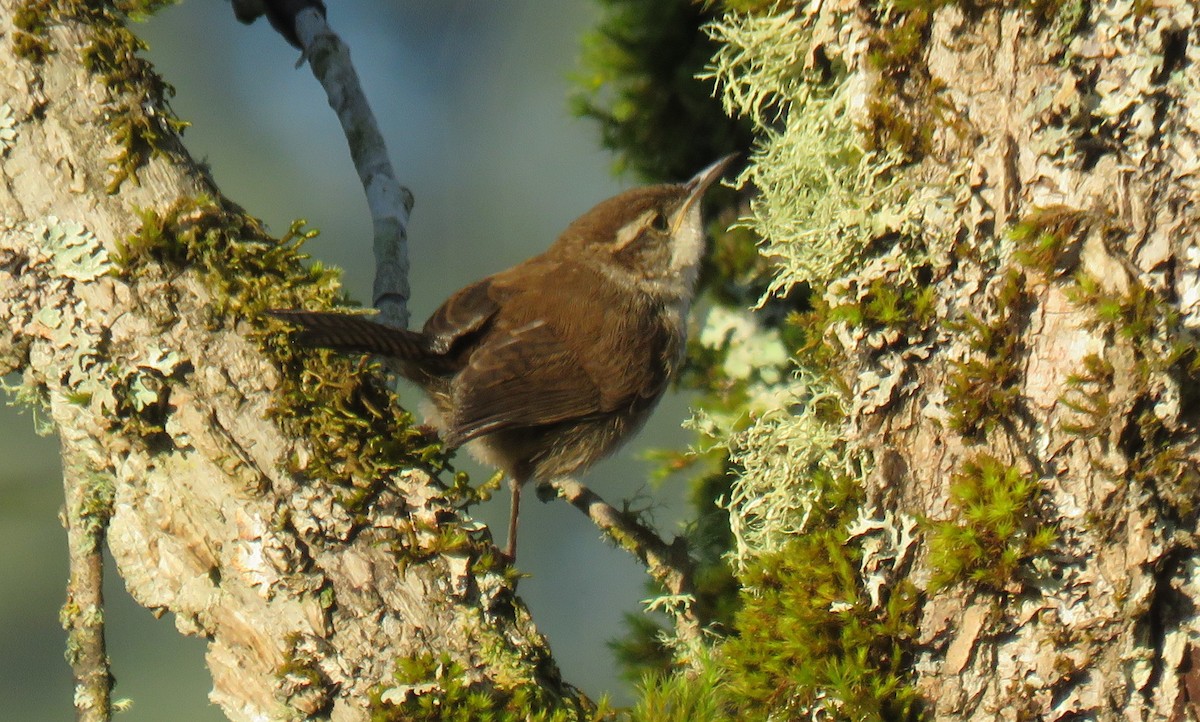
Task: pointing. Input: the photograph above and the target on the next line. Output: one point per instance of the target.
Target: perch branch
(668, 564)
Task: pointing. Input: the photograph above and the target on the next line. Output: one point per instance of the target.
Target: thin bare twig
(668, 564)
(390, 203)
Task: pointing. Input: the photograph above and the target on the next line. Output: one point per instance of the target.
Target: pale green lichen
(67, 252)
(73, 250)
(823, 197)
(753, 353)
(781, 455)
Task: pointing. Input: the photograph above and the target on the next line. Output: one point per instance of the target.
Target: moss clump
(807, 635)
(31, 40)
(996, 535)
(1049, 239)
(699, 696)
(1138, 315)
(983, 392)
(1153, 328)
(807, 640)
(141, 121)
(247, 270)
(1088, 396)
(906, 106)
(358, 434)
(1166, 463)
(908, 309)
(639, 82)
(438, 689)
(139, 10)
(1162, 454)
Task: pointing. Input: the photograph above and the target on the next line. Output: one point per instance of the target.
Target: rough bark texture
(1084, 136)
(996, 206)
(153, 376)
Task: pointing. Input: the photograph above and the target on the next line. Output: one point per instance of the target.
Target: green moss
(140, 10)
(96, 506)
(906, 106)
(141, 122)
(699, 696)
(1150, 325)
(1088, 395)
(808, 333)
(247, 270)
(358, 436)
(639, 82)
(31, 40)
(983, 391)
(995, 536)
(807, 636)
(807, 641)
(1169, 466)
(438, 689)
(1161, 456)
(1044, 238)
(1139, 315)
(908, 309)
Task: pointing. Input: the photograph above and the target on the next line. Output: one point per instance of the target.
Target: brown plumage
(548, 366)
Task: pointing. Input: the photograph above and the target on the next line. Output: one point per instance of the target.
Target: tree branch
(390, 203)
(279, 507)
(88, 505)
(668, 564)
(302, 23)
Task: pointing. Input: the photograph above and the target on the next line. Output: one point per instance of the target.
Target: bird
(545, 368)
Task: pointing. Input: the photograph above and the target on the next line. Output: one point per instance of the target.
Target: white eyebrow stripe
(630, 232)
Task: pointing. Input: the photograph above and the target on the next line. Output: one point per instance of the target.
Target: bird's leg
(510, 550)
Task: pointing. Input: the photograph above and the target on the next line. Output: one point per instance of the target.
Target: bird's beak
(697, 186)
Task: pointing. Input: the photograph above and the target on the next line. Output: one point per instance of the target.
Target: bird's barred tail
(345, 332)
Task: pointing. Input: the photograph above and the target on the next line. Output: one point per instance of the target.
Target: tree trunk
(1007, 294)
(281, 507)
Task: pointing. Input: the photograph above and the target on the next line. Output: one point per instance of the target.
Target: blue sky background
(472, 97)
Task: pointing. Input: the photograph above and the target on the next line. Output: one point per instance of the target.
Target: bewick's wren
(547, 367)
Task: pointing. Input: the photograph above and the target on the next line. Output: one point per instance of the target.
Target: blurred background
(472, 97)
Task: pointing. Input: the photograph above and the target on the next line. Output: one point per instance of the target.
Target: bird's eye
(659, 222)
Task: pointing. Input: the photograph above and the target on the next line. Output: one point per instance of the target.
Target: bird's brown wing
(560, 348)
(462, 315)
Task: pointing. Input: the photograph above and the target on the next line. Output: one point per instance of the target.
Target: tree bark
(311, 575)
(1016, 333)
